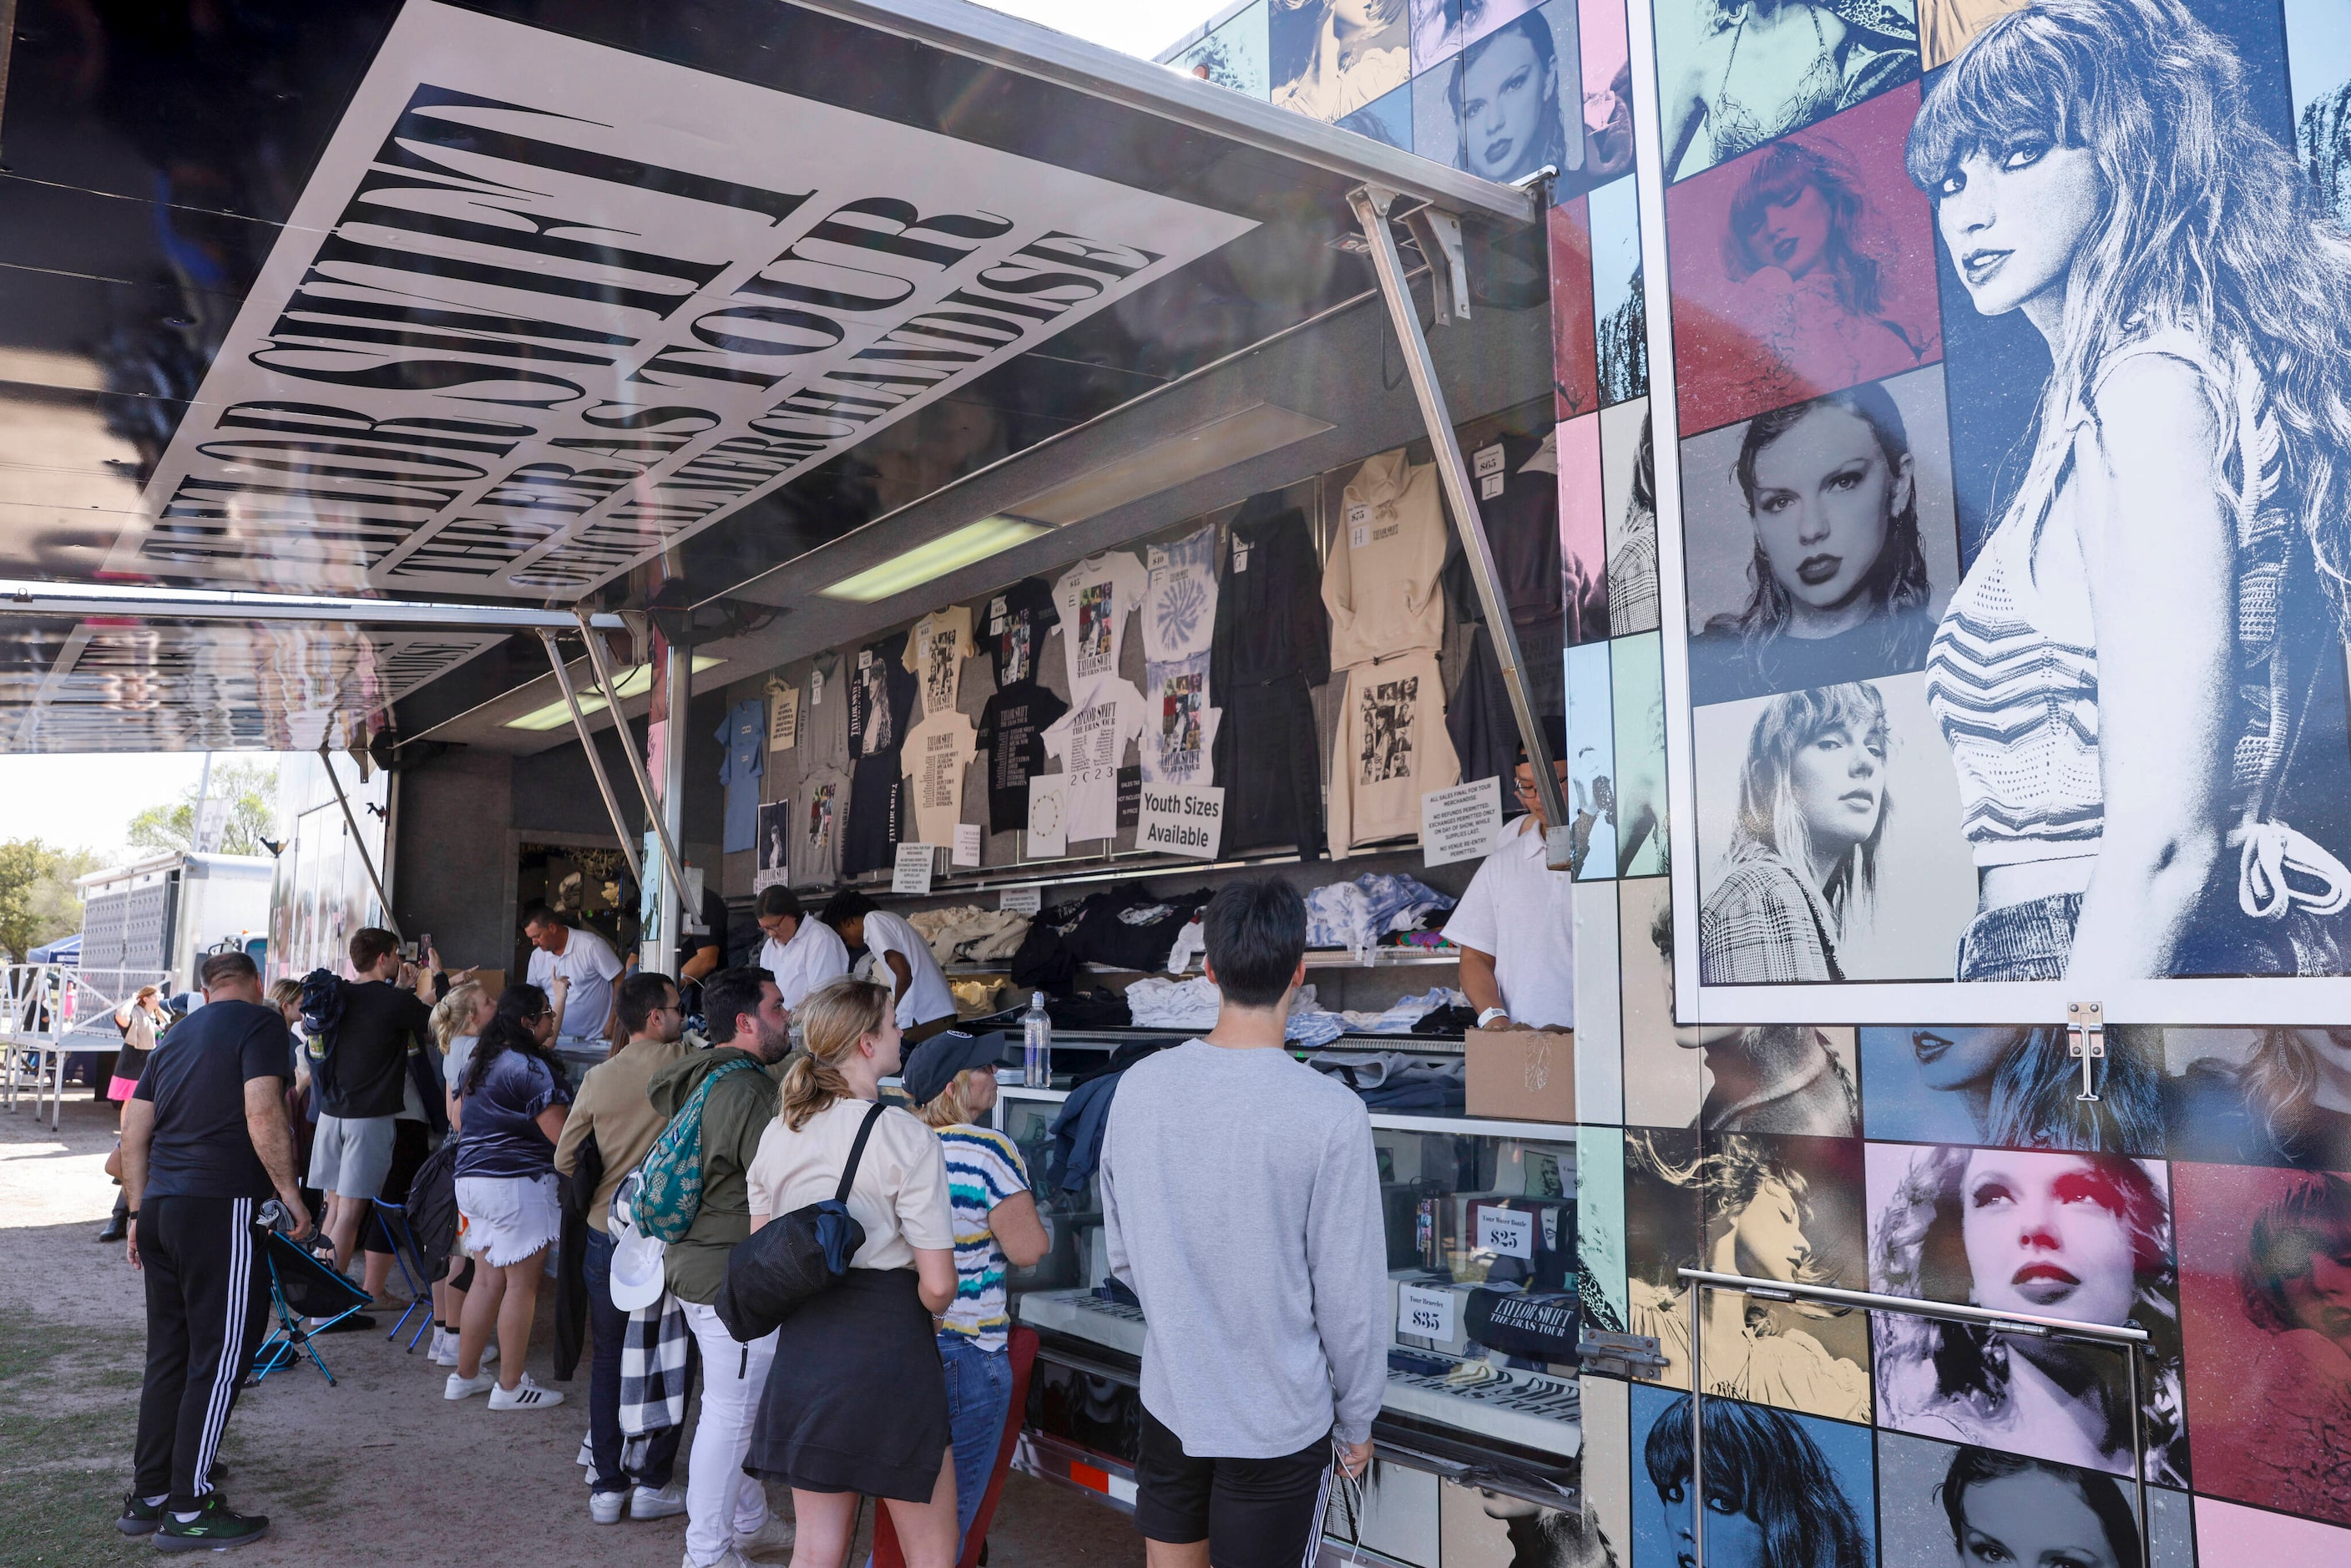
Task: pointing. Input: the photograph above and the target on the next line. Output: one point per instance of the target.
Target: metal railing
(2131, 1341)
(51, 1012)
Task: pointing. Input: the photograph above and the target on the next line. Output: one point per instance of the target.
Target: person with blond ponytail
(856, 1397)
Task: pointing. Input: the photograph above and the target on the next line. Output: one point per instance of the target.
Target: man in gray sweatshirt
(1241, 1197)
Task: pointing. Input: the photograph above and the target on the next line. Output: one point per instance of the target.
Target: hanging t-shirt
(934, 654)
(1179, 726)
(1381, 581)
(1095, 598)
(1012, 748)
(744, 736)
(1017, 620)
(934, 759)
(1392, 749)
(824, 716)
(1179, 601)
(1090, 741)
(813, 845)
(882, 695)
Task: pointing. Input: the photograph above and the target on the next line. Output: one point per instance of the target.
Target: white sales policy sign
(1181, 820)
(546, 309)
(1461, 823)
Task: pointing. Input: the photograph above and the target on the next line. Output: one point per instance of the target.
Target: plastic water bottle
(1036, 1044)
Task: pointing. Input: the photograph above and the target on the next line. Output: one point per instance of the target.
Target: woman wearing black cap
(953, 1079)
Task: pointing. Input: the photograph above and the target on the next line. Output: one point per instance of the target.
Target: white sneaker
(526, 1394)
(465, 1388)
(771, 1542)
(604, 1507)
(646, 1503)
(445, 1348)
(489, 1351)
(727, 1559)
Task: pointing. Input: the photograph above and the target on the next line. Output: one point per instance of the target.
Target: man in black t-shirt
(204, 1144)
(701, 954)
(360, 1068)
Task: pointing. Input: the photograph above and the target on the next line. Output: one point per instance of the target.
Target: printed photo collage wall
(1931, 495)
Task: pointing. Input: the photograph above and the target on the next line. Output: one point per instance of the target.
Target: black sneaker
(215, 1527)
(139, 1516)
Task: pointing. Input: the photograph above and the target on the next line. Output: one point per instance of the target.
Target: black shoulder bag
(794, 1257)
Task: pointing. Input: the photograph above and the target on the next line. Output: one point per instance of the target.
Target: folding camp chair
(394, 1220)
(301, 1285)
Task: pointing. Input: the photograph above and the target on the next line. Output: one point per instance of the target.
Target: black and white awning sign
(547, 307)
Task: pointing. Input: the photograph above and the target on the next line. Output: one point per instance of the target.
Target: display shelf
(1316, 958)
(1535, 1410)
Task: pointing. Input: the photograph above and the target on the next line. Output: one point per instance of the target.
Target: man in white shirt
(576, 968)
(801, 953)
(1515, 924)
(925, 1006)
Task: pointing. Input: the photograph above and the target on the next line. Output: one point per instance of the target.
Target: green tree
(38, 900)
(251, 789)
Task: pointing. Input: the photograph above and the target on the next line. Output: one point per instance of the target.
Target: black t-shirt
(881, 697)
(714, 932)
(197, 1080)
(364, 1069)
(1012, 740)
(1013, 627)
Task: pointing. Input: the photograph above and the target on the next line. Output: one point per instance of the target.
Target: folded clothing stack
(1405, 1015)
(1390, 1080)
(1192, 1005)
(1124, 927)
(966, 934)
(1356, 915)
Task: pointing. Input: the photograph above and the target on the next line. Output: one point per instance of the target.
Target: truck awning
(635, 306)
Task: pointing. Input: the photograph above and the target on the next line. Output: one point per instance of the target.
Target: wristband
(1490, 1014)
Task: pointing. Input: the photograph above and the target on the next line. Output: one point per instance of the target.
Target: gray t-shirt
(452, 1068)
(1242, 1204)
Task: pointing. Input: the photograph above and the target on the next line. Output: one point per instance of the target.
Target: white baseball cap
(637, 1274)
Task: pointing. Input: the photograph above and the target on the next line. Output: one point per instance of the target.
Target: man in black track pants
(204, 1144)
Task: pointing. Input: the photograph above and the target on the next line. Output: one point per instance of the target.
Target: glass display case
(1480, 1231)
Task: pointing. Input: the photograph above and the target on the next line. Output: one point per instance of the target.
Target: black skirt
(856, 1400)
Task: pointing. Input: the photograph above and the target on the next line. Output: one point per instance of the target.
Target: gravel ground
(378, 1469)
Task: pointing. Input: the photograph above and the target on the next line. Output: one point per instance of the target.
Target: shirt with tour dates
(1012, 748)
(936, 752)
(1091, 742)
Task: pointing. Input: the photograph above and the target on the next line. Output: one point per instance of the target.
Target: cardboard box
(1526, 1075)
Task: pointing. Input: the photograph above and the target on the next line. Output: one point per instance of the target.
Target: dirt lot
(376, 1471)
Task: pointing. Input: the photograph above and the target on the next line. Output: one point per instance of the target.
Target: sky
(1136, 26)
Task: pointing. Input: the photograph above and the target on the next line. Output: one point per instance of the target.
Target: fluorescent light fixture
(1173, 460)
(948, 552)
(636, 684)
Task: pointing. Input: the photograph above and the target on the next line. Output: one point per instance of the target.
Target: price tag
(1021, 900)
(910, 873)
(1425, 1311)
(1489, 460)
(1241, 559)
(966, 844)
(1509, 1231)
(1359, 536)
(1490, 485)
(996, 607)
(816, 688)
(865, 658)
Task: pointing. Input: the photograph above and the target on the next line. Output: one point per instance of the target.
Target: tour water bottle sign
(1509, 1231)
(1181, 820)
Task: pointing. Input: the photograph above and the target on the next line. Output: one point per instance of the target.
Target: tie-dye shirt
(984, 1169)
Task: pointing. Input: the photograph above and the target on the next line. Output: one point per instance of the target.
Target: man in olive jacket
(725, 1511)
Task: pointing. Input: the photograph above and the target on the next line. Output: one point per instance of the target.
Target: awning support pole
(611, 689)
(1371, 204)
(595, 761)
(367, 860)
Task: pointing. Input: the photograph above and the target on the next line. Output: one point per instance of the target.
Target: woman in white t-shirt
(856, 1401)
(924, 1006)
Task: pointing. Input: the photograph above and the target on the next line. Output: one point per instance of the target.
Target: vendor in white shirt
(801, 953)
(576, 968)
(925, 1006)
(1515, 924)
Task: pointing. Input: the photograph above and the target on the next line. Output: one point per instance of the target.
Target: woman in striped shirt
(952, 1077)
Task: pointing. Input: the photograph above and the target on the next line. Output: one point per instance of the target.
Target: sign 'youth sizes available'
(546, 307)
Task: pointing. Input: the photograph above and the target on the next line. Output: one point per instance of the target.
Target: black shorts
(1253, 1513)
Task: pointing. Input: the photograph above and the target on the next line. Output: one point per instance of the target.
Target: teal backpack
(669, 1195)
